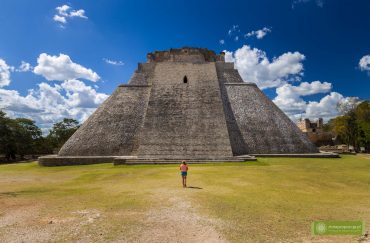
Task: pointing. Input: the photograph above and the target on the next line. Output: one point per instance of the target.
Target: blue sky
(304, 54)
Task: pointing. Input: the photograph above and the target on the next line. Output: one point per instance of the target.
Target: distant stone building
(307, 126)
(315, 131)
(187, 104)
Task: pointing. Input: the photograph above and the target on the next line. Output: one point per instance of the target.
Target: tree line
(21, 136)
(353, 127)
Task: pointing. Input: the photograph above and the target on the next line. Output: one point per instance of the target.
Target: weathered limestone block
(264, 127)
(112, 128)
(185, 119)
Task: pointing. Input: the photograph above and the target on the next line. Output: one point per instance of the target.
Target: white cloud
(62, 10)
(78, 13)
(281, 73)
(62, 68)
(47, 104)
(254, 66)
(233, 30)
(4, 73)
(222, 42)
(319, 3)
(348, 104)
(236, 38)
(364, 63)
(113, 62)
(60, 19)
(24, 67)
(81, 95)
(258, 33)
(289, 97)
(326, 108)
(65, 12)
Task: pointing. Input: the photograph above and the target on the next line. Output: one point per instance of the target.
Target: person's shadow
(194, 187)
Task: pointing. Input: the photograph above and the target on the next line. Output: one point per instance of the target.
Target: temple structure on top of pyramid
(186, 104)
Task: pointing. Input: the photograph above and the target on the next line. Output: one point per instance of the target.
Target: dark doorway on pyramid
(185, 79)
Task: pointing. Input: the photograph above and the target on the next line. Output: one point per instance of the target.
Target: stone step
(143, 161)
(245, 156)
(307, 155)
(179, 160)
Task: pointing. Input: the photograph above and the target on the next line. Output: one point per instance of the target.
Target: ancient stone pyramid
(186, 104)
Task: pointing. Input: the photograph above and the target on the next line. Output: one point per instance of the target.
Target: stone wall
(225, 75)
(264, 127)
(185, 54)
(213, 115)
(255, 124)
(111, 129)
(307, 126)
(320, 138)
(185, 119)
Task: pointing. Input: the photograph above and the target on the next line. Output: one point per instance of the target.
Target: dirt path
(23, 223)
(172, 217)
(179, 221)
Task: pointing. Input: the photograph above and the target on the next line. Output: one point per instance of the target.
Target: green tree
(353, 127)
(362, 112)
(43, 146)
(21, 136)
(7, 138)
(26, 134)
(62, 131)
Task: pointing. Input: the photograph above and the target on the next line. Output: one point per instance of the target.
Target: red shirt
(184, 168)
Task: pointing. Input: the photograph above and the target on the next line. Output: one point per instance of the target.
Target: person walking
(184, 172)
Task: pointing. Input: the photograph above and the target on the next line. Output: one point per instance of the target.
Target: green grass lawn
(273, 199)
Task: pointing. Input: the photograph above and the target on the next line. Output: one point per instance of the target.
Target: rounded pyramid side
(112, 129)
(265, 128)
